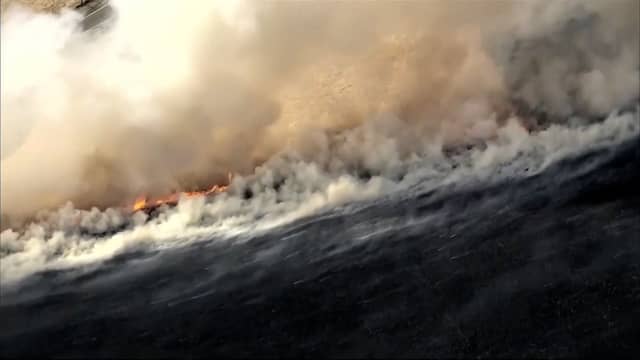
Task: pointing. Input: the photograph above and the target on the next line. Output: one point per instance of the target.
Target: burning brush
(149, 204)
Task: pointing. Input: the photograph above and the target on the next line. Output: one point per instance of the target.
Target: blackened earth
(544, 266)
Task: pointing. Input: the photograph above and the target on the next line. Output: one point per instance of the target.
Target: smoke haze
(176, 97)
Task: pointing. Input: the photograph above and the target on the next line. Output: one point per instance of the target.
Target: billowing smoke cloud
(178, 93)
(575, 57)
(176, 97)
(314, 104)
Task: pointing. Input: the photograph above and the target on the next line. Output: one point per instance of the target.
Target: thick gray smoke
(178, 93)
(572, 58)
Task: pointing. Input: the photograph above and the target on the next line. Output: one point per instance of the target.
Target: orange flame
(143, 203)
(140, 203)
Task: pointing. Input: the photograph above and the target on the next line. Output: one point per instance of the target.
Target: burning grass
(147, 204)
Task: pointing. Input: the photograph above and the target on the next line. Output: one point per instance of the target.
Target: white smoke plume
(149, 107)
(310, 103)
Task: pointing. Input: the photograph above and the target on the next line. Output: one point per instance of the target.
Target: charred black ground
(546, 266)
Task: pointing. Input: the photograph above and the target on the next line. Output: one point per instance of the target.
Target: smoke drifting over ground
(176, 94)
(581, 58)
(307, 97)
